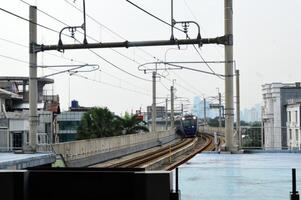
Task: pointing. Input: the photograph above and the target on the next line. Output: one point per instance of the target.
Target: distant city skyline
(247, 114)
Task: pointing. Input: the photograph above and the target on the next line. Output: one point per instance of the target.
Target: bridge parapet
(87, 152)
(211, 130)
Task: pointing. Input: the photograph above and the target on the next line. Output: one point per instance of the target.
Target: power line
(164, 86)
(161, 20)
(110, 84)
(26, 62)
(23, 18)
(186, 89)
(152, 15)
(112, 64)
(105, 83)
(60, 21)
(196, 19)
(26, 46)
(187, 82)
(110, 30)
(207, 63)
(120, 79)
(106, 60)
(14, 59)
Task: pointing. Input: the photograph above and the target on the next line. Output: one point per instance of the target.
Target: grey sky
(266, 38)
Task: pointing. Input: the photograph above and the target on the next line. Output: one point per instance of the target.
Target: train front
(189, 124)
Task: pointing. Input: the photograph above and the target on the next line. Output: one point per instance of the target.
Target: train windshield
(188, 123)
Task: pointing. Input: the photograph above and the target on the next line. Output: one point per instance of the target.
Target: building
(198, 108)
(274, 115)
(252, 114)
(69, 121)
(160, 112)
(293, 111)
(14, 113)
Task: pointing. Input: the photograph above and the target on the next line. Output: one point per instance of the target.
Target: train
(186, 126)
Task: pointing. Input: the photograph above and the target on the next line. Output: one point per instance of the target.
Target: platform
(23, 161)
(239, 176)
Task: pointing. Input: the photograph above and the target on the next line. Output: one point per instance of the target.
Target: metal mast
(229, 114)
(33, 86)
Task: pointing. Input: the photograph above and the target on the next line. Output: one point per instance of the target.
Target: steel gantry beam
(225, 40)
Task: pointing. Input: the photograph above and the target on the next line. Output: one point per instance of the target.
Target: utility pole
(172, 108)
(154, 111)
(182, 109)
(219, 110)
(238, 108)
(205, 118)
(33, 85)
(228, 14)
(166, 113)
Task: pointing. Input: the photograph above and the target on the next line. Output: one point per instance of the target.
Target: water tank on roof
(74, 104)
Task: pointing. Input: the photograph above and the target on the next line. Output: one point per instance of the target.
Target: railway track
(208, 145)
(170, 156)
(139, 161)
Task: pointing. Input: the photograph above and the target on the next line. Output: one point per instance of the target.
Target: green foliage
(131, 124)
(98, 122)
(101, 122)
(214, 122)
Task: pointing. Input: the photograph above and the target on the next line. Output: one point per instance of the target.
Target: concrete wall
(88, 152)
(211, 130)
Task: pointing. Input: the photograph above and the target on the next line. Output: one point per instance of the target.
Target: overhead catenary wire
(69, 59)
(60, 21)
(110, 30)
(54, 55)
(23, 18)
(177, 75)
(110, 84)
(163, 21)
(154, 16)
(13, 14)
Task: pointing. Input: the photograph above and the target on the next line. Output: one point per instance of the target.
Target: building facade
(274, 115)
(14, 113)
(69, 122)
(293, 125)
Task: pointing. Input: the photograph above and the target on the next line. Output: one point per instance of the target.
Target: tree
(98, 122)
(132, 124)
(101, 122)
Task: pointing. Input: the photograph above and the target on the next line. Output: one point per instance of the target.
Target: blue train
(186, 126)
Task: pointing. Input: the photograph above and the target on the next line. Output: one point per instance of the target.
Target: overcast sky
(266, 48)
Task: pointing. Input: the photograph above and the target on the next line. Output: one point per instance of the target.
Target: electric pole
(238, 108)
(172, 108)
(154, 111)
(228, 14)
(219, 110)
(166, 113)
(33, 85)
(182, 109)
(205, 118)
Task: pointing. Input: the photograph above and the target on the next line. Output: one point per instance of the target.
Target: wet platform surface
(239, 176)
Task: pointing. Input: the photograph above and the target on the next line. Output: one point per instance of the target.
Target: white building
(293, 124)
(274, 116)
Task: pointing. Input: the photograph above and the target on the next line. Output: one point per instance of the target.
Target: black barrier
(85, 184)
(294, 193)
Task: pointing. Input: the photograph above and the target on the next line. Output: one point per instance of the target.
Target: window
(290, 131)
(296, 116)
(68, 125)
(289, 116)
(297, 135)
